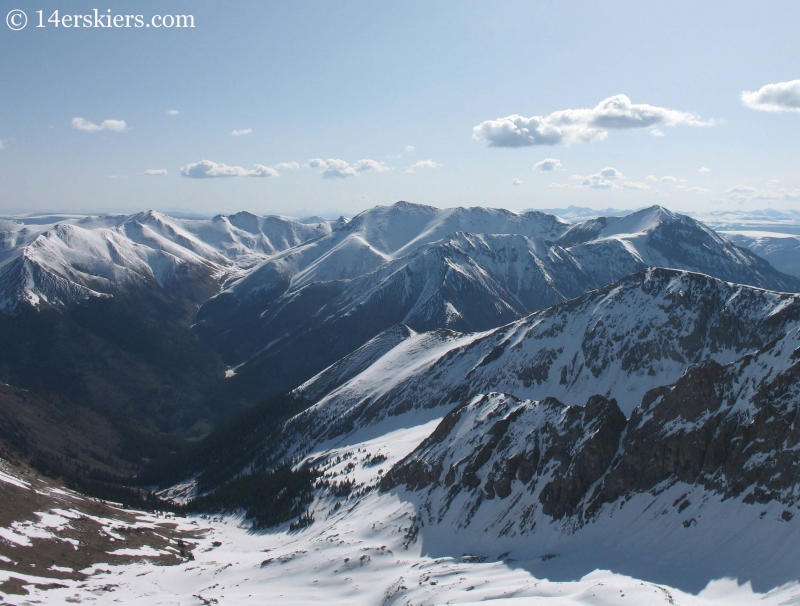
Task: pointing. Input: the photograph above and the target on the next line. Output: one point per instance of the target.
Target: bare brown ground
(81, 543)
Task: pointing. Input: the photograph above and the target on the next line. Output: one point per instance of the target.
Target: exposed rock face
(565, 449)
(703, 431)
(732, 429)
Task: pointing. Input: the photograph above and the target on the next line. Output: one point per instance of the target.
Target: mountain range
(462, 383)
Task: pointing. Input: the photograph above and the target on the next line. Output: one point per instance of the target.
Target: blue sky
(326, 85)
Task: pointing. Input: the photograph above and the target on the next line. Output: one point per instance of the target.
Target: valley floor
(368, 548)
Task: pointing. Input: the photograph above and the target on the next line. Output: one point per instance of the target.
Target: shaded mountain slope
(386, 267)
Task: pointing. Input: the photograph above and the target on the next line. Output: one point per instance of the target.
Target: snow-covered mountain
(611, 247)
(577, 214)
(57, 261)
(402, 264)
(99, 309)
(620, 342)
(782, 250)
(641, 424)
(648, 428)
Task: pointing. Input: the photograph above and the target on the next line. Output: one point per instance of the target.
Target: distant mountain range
(463, 269)
(278, 300)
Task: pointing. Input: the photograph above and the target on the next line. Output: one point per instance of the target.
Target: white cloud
(365, 165)
(424, 164)
(332, 168)
(635, 185)
(656, 132)
(409, 148)
(548, 165)
(602, 179)
(664, 179)
(116, 126)
(172, 112)
(698, 190)
(244, 131)
(560, 185)
(703, 170)
(778, 97)
(155, 171)
(740, 189)
(339, 169)
(580, 125)
(287, 165)
(205, 169)
(516, 182)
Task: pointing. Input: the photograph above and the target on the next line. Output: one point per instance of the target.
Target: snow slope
(620, 341)
(400, 264)
(61, 260)
(373, 549)
(782, 250)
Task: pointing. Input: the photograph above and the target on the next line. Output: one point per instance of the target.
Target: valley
(414, 405)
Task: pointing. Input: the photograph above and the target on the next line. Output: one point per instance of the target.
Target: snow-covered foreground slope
(62, 260)
(689, 496)
(373, 549)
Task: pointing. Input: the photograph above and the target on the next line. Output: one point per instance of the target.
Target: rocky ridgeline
(732, 429)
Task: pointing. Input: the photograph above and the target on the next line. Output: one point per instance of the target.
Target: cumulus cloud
(664, 179)
(409, 148)
(703, 170)
(656, 132)
(244, 131)
(287, 166)
(172, 112)
(548, 165)
(778, 97)
(116, 126)
(365, 165)
(205, 169)
(339, 169)
(332, 168)
(516, 182)
(603, 179)
(560, 185)
(635, 185)
(698, 190)
(424, 164)
(740, 189)
(580, 125)
(155, 172)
